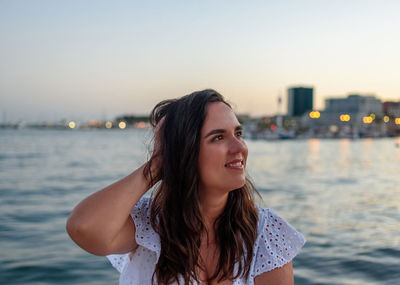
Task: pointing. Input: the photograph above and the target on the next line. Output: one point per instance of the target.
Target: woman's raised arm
(101, 224)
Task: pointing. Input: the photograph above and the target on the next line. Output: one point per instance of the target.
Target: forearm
(97, 221)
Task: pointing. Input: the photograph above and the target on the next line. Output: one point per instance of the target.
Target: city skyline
(99, 59)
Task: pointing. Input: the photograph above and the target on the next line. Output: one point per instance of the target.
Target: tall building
(300, 100)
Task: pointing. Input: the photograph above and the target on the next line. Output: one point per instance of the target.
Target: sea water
(343, 195)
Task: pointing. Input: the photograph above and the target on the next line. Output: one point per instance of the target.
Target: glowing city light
(108, 125)
(71, 125)
(314, 114)
(345, 117)
(122, 125)
(372, 115)
(397, 121)
(367, 120)
(140, 125)
(386, 119)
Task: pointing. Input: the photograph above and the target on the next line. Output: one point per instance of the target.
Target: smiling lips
(235, 164)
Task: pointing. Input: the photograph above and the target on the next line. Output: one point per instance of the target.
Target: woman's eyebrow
(221, 131)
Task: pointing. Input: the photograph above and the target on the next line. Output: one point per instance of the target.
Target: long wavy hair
(175, 210)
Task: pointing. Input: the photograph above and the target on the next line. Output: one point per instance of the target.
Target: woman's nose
(237, 145)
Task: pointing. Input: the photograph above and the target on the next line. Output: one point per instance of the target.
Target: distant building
(391, 108)
(354, 104)
(347, 115)
(300, 100)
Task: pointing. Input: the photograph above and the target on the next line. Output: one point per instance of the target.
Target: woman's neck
(212, 205)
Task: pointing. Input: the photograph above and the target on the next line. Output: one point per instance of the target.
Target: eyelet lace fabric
(277, 244)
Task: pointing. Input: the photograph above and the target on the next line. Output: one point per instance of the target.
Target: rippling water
(343, 195)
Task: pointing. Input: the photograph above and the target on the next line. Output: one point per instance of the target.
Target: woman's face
(223, 152)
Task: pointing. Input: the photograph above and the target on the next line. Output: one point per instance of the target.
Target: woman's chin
(238, 185)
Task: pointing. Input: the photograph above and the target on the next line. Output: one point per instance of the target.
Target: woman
(201, 225)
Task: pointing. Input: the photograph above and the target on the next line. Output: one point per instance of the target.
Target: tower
(300, 100)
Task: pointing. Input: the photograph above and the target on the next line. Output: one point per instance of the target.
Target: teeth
(236, 164)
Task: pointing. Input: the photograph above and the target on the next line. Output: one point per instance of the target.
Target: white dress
(277, 243)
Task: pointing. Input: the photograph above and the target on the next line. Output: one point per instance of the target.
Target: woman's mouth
(235, 164)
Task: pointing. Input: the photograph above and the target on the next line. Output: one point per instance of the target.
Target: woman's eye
(239, 134)
(217, 138)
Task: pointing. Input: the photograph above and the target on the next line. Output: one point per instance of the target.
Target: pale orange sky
(99, 59)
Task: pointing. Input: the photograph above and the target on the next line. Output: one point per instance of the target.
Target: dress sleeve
(277, 242)
(145, 235)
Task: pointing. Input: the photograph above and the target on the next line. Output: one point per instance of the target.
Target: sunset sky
(86, 60)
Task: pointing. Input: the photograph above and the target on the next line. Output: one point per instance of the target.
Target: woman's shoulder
(139, 265)
(145, 234)
(268, 214)
(140, 213)
(278, 242)
(144, 203)
(275, 227)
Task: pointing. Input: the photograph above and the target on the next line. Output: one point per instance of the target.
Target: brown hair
(175, 209)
